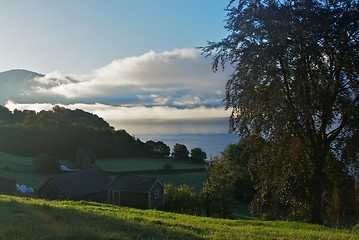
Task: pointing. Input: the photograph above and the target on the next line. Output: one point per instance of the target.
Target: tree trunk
(316, 213)
(318, 188)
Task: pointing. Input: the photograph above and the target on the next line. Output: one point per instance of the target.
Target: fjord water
(211, 135)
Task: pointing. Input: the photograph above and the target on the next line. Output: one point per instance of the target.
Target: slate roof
(133, 184)
(78, 184)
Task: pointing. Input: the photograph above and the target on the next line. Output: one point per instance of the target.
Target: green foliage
(295, 83)
(60, 116)
(181, 199)
(356, 228)
(47, 164)
(85, 220)
(5, 116)
(228, 177)
(61, 132)
(157, 149)
(218, 188)
(238, 156)
(198, 155)
(180, 151)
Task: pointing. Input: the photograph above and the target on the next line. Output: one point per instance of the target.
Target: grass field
(25, 218)
(21, 169)
(138, 164)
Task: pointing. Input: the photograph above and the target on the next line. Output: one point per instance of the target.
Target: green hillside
(25, 218)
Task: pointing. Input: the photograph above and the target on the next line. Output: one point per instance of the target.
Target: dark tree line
(181, 152)
(62, 132)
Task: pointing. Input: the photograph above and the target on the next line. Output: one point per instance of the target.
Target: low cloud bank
(115, 113)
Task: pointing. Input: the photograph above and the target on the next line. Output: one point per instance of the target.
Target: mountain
(23, 86)
(17, 85)
(18, 75)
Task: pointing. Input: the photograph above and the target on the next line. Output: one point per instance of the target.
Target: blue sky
(75, 37)
(116, 58)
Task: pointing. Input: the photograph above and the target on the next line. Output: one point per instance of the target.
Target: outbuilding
(137, 192)
(89, 185)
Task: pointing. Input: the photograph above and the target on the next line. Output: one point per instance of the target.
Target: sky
(119, 58)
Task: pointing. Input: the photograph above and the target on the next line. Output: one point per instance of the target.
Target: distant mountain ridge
(18, 75)
(23, 86)
(18, 85)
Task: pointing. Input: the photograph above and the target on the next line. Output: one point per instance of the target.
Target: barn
(7, 185)
(137, 192)
(89, 185)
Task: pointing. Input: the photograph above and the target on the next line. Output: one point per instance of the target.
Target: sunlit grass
(24, 218)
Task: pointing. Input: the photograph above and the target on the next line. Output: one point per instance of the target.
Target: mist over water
(211, 135)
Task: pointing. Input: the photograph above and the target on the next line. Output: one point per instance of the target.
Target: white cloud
(28, 106)
(168, 75)
(53, 79)
(188, 101)
(158, 84)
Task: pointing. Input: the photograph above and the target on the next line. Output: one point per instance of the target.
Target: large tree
(180, 151)
(295, 83)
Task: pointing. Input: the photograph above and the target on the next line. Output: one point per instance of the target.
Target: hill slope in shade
(17, 84)
(18, 75)
(84, 220)
(22, 86)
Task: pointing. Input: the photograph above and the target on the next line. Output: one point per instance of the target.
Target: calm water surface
(209, 134)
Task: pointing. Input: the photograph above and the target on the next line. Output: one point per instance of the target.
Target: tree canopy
(180, 151)
(198, 155)
(295, 83)
(63, 132)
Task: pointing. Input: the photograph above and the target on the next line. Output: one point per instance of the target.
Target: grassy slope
(24, 218)
(21, 170)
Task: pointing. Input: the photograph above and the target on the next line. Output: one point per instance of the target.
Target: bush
(181, 199)
(44, 163)
(356, 228)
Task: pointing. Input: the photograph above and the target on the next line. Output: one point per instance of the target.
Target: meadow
(28, 218)
(21, 169)
(183, 172)
(139, 164)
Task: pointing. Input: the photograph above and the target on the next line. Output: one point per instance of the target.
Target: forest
(62, 132)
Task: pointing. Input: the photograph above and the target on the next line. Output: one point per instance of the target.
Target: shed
(7, 185)
(89, 185)
(137, 192)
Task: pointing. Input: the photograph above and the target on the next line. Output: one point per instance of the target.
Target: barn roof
(133, 184)
(77, 184)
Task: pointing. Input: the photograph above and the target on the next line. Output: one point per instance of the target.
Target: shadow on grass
(42, 221)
